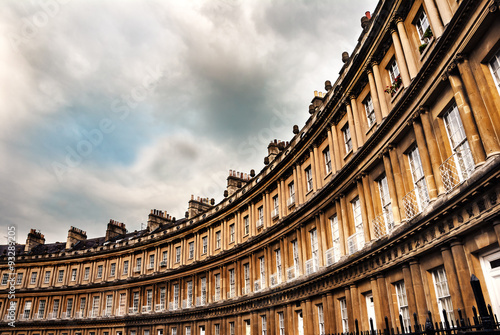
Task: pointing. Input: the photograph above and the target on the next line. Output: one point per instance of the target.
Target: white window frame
(60, 276)
(218, 239)
(204, 242)
(442, 293)
(393, 70)
(176, 296)
(422, 24)
(281, 322)
(309, 178)
(191, 250)
(177, 254)
(494, 65)
(262, 267)
(346, 132)
(246, 222)
(370, 111)
(46, 278)
(151, 261)
(189, 293)
(386, 202)
(246, 272)
(232, 283)
(99, 271)
(321, 319)
(343, 315)
(328, 160)
(263, 320)
(418, 177)
(27, 309)
(112, 270)
(404, 310)
(231, 233)
(125, 267)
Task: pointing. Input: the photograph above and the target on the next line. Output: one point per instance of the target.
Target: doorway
(490, 263)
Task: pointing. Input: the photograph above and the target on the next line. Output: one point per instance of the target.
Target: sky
(112, 108)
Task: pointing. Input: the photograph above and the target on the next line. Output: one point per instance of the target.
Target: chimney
(75, 235)
(34, 238)
(157, 219)
(235, 181)
(115, 229)
(316, 101)
(199, 205)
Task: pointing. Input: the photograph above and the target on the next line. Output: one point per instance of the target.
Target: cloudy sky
(112, 108)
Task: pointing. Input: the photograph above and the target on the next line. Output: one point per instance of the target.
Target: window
(321, 320)
(309, 178)
(60, 276)
(231, 328)
(177, 254)
(217, 240)
(417, 173)
(231, 233)
(138, 264)
(174, 331)
(27, 310)
(393, 71)
(291, 194)
(277, 254)
(370, 112)
(135, 302)
(495, 69)
(99, 271)
(295, 248)
(217, 287)
(343, 315)
(151, 262)
(122, 302)
(217, 329)
(149, 299)
(462, 163)
(19, 279)
(46, 279)
(356, 241)
(112, 271)
(203, 290)
(422, 25)
(55, 308)
(109, 304)
(5, 277)
(176, 296)
(276, 207)
(263, 321)
(95, 306)
(189, 296)
(281, 320)
(260, 215)
(334, 255)
(163, 294)
(188, 330)
(313, 264)
(442, 293)
(191, 250)
(328, 160)
(164, 256)
(41, 309)
(246, 223)
(125, 267)
(385, 200)
(403, 303)
(347, 138)
(232, 284)
(246, 272)
(204, 241)
(83, 302)
(73, 275)
(262, 263)
(69, 307)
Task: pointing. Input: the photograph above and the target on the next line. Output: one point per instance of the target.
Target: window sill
(309, 192)
(393, 98)
(246, 235)
(328, 175)
(427, 48)
(374, 125)
(231, 242)
(348, 154)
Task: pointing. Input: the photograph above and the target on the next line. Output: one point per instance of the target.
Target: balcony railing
(291, 201)
(383, 224)
(79, 314)
(355, 242)
(151, 266)
(332, 255)
(457, 168)
(121, 311)
(65, 315)
(217, 294)
(107, 314)
(159, 307)
(275, 212)
(415, 201)
(173, 306)
(93, 314)
(39, 316)
(311, 266)
(260, 222)
(246, 289)
(256, 285)
(146, 309)
(163, 263)
(133, 310)
(23, 318)
(291, 273)
(137, 269)
(231, 294)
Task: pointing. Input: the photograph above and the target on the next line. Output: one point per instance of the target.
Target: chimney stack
(115, 229)
(199, 205)
(157, 219)
(75, 235)
(34, 238)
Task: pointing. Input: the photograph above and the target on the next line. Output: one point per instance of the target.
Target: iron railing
(415, 201)
(383, 224)
(457, 168)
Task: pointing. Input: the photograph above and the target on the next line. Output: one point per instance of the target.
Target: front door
(300, 323)
(370, 309)
(247, 327)
(490, 262)
(202, 330)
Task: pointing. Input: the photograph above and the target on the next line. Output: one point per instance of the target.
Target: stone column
(267, 210)
(282, 198)
(322, 246)
(315, 169)
(331, 150)
(433, 16)
(384, 297)
(424, 157)
(308, 320)
(368, 197)
(380, 89)
(374, 95)
(496, 226)
(352, 129)
(431, 141)
(451, 276)
(340, 220)
(483, 121)
(345, 222)
(378, 301)
(289, 318)
(356, 311)
(400, 58)
(392, 187)
(407, 49)
(296, 184)
(364, 216)
(357, 124)
(300, 186)
(468, 121)
(348, 302)
(336, 147)
(270, 323)
(463, 273)
(329, 313)
(410, 292)
(444, 11)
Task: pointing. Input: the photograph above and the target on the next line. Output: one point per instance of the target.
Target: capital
(423, 109)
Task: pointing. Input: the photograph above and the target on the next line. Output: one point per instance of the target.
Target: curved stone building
(383, 204)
